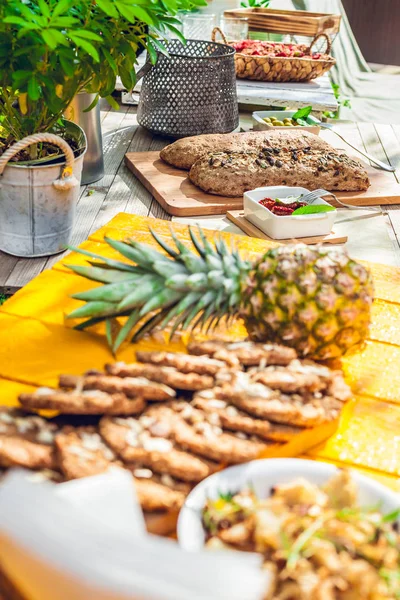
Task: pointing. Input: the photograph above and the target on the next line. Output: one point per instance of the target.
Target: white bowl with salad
(286, 119)
(280, 213)
(318, 528)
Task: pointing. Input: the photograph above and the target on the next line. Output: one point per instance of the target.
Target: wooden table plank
(125, 187)
(390, 145)
(382, 142)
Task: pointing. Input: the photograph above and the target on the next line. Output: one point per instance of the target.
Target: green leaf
(112, 102)
(126, 330)
(49, 38)
(159, 45)
(67, 66)
(310, 210)
(45, 10)
(58, 36)
(34, 89)
(108, 8)
(152, 52)
(110, 60)
(26, 12)
(302, 113)
(134, 13)
(62, 22)
(88, 35)
(178, 33)
(93, 309)
(92, 104)
(61, 7)
(85, 45)
(19, 21)
(20, 76)
(126, 78)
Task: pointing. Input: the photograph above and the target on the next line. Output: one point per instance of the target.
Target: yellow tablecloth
(38, 343)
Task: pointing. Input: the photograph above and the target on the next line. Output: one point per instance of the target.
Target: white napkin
(94, 546)
(109, 498)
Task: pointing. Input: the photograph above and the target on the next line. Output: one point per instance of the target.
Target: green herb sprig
(304, 117)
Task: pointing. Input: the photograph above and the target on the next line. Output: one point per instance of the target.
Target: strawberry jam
(280, 208)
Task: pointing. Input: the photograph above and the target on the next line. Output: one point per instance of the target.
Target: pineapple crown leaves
(181, 287)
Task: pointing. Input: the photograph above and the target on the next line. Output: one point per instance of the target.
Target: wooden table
(372, 236)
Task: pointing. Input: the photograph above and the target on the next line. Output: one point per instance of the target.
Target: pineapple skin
(316, 302)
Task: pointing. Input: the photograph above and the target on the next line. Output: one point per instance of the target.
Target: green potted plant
(51, 50)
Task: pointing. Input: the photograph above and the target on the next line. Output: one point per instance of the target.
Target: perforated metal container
(191, 91)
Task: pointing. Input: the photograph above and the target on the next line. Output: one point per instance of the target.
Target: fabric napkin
(63, 543)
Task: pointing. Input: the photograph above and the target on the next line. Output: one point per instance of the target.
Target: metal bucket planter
(37, 202)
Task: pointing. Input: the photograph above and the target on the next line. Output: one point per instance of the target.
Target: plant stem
(16, 133)
(33, 152)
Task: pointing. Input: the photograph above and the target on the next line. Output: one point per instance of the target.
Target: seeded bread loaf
(185, 152)
(233, 173)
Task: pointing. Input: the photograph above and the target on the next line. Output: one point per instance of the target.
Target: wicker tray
(280, 68)
(294, 22)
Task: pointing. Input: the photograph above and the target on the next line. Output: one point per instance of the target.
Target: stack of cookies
(171, 419)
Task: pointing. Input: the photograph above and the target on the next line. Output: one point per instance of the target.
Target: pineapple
(315, 301)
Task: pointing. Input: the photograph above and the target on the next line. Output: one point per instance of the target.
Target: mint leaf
(310, 210)
(302, 113)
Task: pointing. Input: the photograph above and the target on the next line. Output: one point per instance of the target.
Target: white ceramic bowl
(289, 227)
(260, 125)
(263, 475)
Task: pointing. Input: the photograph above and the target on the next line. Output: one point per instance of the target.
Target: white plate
(260, 125)
(263, 475)
(291, 226)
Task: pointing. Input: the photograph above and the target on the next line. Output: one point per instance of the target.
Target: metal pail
(37, 202)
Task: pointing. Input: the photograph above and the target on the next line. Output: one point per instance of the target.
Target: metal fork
(377, 162)
(311, 197)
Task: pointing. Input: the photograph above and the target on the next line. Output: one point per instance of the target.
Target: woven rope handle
(67, 179)
(221, 33)
(327, 39)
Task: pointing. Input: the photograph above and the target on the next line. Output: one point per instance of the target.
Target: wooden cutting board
(237, 217)
(172, 188)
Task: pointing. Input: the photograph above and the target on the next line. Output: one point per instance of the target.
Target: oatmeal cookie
(169, 376)
(149, 441)
(75, 402)
(26, 440)
(203, 365)
(248, 354)
(82, 452)
(132, 387)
